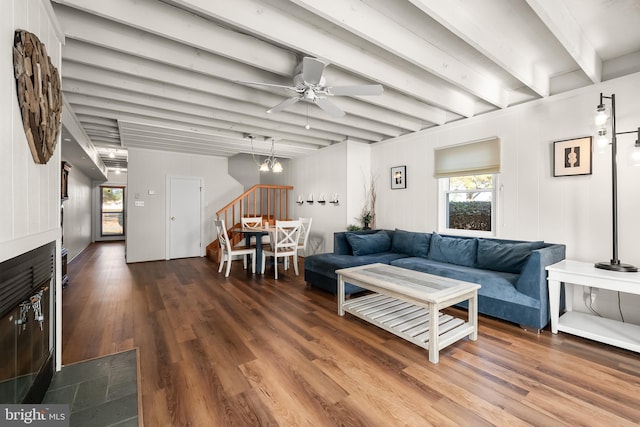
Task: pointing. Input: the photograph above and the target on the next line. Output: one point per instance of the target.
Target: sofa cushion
(328, 263)
(494, 284)
(367, 244)
(410, 243)
(504, 256)
(454, 250)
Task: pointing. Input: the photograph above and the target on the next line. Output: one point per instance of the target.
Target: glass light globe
(634, 156)
(277, 167)
(602, 115)
(602, 141)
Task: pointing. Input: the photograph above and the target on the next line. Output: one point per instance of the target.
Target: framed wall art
(398, 177)
(572, 157)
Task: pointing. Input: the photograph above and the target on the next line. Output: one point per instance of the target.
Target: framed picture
(572, 157)
(398, 177)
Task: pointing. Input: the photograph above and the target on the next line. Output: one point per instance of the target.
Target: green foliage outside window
(470, 215)
(469, 202)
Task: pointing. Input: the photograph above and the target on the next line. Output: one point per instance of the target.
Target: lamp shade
(602, 115)
(634, 155)
(602, 141)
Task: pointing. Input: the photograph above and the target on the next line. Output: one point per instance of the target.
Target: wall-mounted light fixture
(602, 119)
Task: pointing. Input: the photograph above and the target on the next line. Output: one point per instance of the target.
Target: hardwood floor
(250, 350)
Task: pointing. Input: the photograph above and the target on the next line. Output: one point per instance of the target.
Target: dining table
(248, 233)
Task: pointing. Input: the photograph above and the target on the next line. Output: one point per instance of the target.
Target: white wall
(148, 171)
(533, 205)
(30, 213)
(341, 168)
(77, 213)
(243, 169)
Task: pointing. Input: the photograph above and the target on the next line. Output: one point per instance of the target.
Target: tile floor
(101, 392)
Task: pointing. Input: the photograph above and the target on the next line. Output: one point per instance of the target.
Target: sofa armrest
(533, 278)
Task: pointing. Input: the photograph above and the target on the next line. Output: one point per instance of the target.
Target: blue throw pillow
(367, 244)
(410, 243)
(505, 256)
(453, 250)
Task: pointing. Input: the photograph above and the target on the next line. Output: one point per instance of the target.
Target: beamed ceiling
(166, 74)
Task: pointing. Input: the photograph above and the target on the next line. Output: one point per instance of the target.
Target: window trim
(124, 208)
(443, 191)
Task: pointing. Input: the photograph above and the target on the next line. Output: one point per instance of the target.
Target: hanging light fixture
(270, 163)
(602, 120)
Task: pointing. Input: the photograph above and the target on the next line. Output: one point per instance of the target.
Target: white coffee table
(407, 303)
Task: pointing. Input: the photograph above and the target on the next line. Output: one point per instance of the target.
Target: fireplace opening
(27, 289)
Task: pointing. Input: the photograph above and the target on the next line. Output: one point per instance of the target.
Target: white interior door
(184, 217)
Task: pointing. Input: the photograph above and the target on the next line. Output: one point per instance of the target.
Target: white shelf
(608, 331)
(406, 320)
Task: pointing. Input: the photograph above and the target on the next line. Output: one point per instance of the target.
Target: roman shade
(472, 158)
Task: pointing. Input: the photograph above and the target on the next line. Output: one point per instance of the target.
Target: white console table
(608, 331)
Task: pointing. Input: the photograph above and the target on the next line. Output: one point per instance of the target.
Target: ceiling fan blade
(358, 90)
(284, 104)
(266, 84)
(312, 69)
(329, 107)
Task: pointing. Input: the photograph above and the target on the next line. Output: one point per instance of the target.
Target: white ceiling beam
(135, 132)
(357, 17)
(78, 72)
(97, 127)
(122, 111)
(391, 100)
(453, 16)
(276, 25)
(146, 100)
(186, 113)
(167, 21)
(564, 27)
(83, 27)
(94, 30)
(98, 121)
(408, 114)
(80, 141)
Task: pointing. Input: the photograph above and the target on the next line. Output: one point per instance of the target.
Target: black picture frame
(398, 177)
(572, 157)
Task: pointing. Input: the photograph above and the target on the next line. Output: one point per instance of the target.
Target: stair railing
(271, 202)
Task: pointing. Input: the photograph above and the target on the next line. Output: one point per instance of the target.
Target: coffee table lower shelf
(408, 321)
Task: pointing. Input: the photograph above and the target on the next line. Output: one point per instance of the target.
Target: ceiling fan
(310, 85)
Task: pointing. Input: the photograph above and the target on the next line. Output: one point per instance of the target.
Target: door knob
(173, 218)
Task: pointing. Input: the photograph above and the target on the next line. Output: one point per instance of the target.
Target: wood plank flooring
(253, 351)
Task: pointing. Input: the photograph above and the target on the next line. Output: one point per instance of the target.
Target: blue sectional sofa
(511, 272)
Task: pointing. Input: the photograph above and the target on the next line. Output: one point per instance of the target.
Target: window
(468, 203)
(112, 211)
(467, 176)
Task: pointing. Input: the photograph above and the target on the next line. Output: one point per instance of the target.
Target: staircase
(271, 202)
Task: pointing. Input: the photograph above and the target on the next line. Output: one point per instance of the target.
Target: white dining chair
(227, 252)
(304, 234)
(254, 222)
(284, 244)
(251, 221)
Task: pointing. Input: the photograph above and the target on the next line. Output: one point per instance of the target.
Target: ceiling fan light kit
(310, 85)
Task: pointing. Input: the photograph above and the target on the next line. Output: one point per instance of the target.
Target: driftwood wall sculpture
(39, 98)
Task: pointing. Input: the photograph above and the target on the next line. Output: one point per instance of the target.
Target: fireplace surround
(27, 317)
